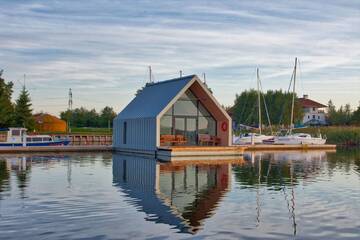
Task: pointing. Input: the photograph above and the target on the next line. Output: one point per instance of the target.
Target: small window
(15, 132)
(308, 116)
(313, 116)
(124, 132)
(313, 109)
(318, 117)
(28, 139)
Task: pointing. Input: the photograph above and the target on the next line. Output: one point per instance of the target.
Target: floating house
(314, 113)
(176, 112)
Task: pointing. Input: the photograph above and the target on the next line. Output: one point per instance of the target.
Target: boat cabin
(16, 135)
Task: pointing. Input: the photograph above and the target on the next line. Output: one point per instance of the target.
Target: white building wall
(311, 113)
(140, 134)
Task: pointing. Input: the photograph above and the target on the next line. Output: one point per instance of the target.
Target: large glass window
(166, 125)
(188, 117)
(207, 125)
(185, 108)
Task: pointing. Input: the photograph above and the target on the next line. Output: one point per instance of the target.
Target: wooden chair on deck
(167, 139)
(204, 139)
(180, 139)
(172, 139)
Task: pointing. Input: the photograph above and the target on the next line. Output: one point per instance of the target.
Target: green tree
(23, 111)
(6, 107)
(355, 119)
(106, 116)
(245, 109)
(81, 117)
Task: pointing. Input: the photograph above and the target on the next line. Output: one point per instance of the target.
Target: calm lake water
(314, 195)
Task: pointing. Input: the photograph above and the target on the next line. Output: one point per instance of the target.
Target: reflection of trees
(23, 176)
(344, 158)
(4, 177)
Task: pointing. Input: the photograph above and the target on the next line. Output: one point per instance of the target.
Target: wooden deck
(88, 148)
(217, 153)
(189, 153)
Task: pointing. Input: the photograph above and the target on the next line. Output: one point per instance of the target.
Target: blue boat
(18, 137)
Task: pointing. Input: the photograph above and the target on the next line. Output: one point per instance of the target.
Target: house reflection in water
(182, 196)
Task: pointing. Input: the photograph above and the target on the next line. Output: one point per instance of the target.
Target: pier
(189, 153)
(57, 149)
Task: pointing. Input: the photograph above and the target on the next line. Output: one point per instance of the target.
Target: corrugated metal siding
(140, 133)
(138, 172)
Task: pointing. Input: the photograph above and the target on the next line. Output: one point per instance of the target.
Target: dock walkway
(176, 153)
(80, 148)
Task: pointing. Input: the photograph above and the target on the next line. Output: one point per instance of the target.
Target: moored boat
(252, 138)
(297, 138)
(17, 137)
(255, 138)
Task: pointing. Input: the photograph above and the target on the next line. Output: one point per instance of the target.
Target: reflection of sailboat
(282, 172)
(256, 138)
(177, 195)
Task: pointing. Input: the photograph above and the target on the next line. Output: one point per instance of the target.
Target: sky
(101, 49)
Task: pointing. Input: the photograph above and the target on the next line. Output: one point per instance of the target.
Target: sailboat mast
(293, 99)
(259, 100)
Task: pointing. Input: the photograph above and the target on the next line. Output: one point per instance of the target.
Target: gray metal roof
(154, 98)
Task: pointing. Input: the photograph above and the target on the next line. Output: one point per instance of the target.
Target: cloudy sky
(101, 48)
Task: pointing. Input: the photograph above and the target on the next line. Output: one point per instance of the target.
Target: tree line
(278, 104)
(82, 117)
(18, 113)
(343, 115)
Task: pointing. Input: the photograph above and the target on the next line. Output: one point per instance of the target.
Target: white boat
(251, 138)
(17, 137)
(254, 138)
(297, 138)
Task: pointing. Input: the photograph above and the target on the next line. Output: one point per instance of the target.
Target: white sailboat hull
(298, 139)
(245, 140)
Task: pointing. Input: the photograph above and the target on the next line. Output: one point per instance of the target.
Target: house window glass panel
(207, 125)
(202, 111)
(169, 112)
(185, 108)
(188, 95)
(166, 125)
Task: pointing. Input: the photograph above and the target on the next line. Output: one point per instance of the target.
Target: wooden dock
(189, 153)
(216, 153)
(56, 149)
(179, 153)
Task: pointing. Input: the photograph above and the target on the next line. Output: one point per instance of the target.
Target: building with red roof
(314, 113)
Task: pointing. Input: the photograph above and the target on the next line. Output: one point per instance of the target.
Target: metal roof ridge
(170, 80)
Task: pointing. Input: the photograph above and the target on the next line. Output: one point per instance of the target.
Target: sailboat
(254, 138)
(297, 138)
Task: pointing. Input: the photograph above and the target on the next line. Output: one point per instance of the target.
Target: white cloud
(101, 49)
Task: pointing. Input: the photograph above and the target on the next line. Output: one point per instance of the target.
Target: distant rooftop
(307, 103)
